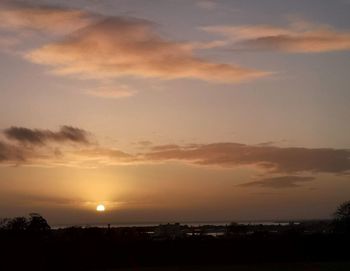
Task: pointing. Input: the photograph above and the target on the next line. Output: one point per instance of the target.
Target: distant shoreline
(188, 223)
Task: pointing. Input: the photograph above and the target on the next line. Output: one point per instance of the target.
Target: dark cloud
(41, 137)
(36, 146)
(270, 158)
(279, 182)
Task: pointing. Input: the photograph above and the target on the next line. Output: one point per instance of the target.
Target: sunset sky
(174, 110)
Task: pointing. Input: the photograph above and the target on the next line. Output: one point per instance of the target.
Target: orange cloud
(119, 46)
(100, 47)
(298, 37)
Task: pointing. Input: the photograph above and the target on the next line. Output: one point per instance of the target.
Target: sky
(174, 110)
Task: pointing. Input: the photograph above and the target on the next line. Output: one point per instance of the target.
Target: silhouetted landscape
(175, 135)
(307, 245)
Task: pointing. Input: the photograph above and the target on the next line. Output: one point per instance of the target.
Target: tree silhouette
(343, 211)
(37, 223)
(342, 218)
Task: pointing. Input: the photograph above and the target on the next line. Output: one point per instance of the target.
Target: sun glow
(100, 208)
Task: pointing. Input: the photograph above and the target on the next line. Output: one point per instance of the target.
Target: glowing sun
(100, 208)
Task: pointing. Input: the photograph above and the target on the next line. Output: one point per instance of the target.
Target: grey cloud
(280, 182)
(276, 159)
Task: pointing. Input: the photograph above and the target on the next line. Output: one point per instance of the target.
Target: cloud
(298, 37)
(93, 46)
(48, 148)
(280, 182)
(115, 92)
(41, 137)
(269, 158)
(53, 20)
(121, 46)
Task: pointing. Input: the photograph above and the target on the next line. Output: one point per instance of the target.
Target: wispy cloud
(279, 182)
(298, 37)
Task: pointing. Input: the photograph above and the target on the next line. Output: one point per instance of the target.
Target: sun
(100, 208)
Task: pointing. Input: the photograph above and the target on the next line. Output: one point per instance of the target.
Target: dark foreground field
(94, 249)
(316, 246)
(260, 267)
